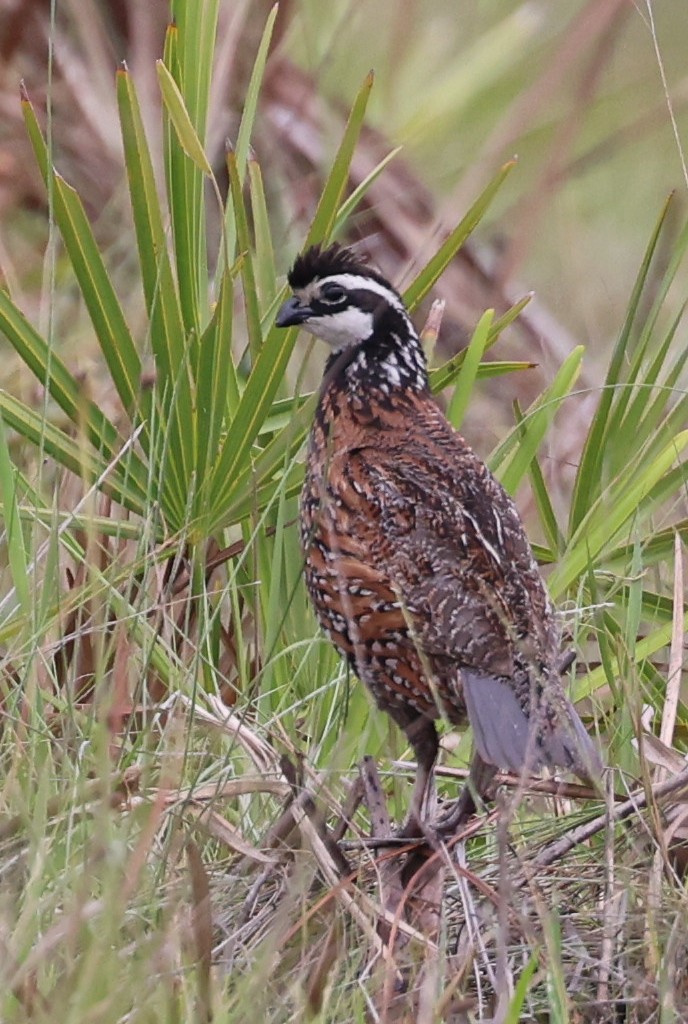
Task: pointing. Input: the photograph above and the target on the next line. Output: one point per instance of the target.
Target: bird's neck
(391, 361)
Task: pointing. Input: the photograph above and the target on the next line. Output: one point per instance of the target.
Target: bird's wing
(452, 543)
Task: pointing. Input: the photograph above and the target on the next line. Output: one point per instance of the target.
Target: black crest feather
(323, 261)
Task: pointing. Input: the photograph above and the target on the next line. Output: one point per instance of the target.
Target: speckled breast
(357, 606)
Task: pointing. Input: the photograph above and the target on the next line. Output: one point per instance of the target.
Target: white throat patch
(341, 330)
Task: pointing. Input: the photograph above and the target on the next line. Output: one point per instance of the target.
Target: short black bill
(292, 313)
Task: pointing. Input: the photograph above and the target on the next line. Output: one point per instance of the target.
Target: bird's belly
(362, 616)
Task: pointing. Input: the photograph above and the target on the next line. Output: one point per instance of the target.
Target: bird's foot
(457, 813)
(478, 789)
(417, 828)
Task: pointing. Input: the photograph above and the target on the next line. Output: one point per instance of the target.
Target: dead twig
(608, 910)
(349, 808)
(544, 787)
(560, 847)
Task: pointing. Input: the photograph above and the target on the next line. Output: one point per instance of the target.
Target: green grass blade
(186, 133)
(645, 413)
(248, 279)
(444, 375)
(217, 391)
(331, 195)
(264, 264)
(608, 515)
(647, 342)
(427, 277)
(632, 618)
(517, 1002)
(520, 447)
(51, 372)
(635, 393)
(543, 503)
(251, 96)
(469, 369)
(197, 24)
(197, 32)
(588, 483)
(358, 194)
(69, 453)
(14, 533)
(185, 194)
(96, 287)
(543, 555)
(627, 418)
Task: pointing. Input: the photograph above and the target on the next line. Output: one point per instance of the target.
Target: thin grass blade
(469, 369)
(430, 273)
(520, 447)
(186, 133)
(252, 94)
(103, 306)
(14, 532)
(248, 277)
(264, 264)
(608, 515)
(331, 195)
(588, 483)
(51, 372)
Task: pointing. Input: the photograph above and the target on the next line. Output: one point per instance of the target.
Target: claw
(457, 814)
(414, 828)
(471, 797)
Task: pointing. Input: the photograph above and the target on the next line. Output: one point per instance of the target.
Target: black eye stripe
(332, 294)
(369, 301)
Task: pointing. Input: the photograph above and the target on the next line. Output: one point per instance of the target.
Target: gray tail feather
(505, 737)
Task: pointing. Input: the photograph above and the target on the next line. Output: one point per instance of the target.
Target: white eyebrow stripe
(353, 281)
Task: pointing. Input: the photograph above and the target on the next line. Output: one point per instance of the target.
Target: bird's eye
(332, 293)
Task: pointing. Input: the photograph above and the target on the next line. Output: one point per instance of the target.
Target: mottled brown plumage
(415, 557)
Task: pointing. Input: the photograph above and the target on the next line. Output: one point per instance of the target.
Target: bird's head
(338, 297)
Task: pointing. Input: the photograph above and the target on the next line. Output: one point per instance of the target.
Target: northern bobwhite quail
(415, 557)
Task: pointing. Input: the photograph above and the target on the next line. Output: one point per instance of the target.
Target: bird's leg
(422, 735)
(475, 788)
